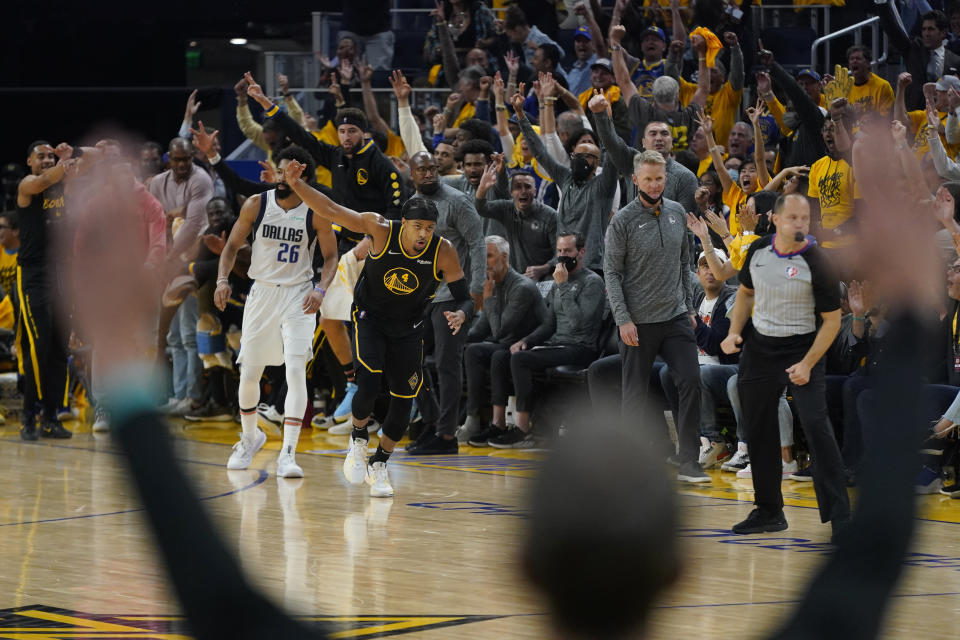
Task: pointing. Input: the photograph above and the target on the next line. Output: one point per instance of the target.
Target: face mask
(648, 198)
(734, 175)
(429, 188)
(569, 262)
(580, 169)
(791, 120)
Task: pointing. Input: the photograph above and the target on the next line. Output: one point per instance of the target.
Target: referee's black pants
(42, 343)
(672, 340)
(761, 380)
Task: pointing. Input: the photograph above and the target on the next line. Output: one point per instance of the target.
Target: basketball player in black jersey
(42, 341)
(400, 276)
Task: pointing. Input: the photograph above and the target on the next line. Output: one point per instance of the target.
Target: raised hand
(616, 34)
(899, 132)
(756, 112)
(401, 88)
(283, 82)
(677, 47)
(63, 151)
(487, 180)
(255, 91)
(335, 90)
(798, 171)
(548, 86)
(856, 298)
(346, 71)
(764, 55)
(581, 9)
(698, 44)
(706, 123)
(730, 39)
(904, 80)
(485, 83)
(840, 86)
(930, 92)
(598, 102)
(241, 89)
(716, 223)
(437, 12)
(365, 72)
(944, 208)
(764, 84)
(267, 174)
(453, 100)
(702, 197)
(293, 171)
(512, 61)
(933, 118)
(517, 100)
(498, 88)
(438, 123)
(536, 91)
(192, 107)
(698, 227)
(499, 160)
(203, 140)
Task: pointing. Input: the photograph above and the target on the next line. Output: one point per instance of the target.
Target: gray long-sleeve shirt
(501, 190)
(583, 207)
(646, 266)
(512, 312)
(574, 309)
(459, 223)
(681, 184)
(532, 235)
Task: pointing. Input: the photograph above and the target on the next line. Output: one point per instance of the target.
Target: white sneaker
(712, 453)
(746, 472)
(346, 428)
(101, 421)
(379, 480)
(790, 468)
(471, 427)
(244, 451)
(739, 461)
(287, 466)
(320, 421)
(355, 464)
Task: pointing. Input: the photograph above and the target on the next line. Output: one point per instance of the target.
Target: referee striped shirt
(791, 289)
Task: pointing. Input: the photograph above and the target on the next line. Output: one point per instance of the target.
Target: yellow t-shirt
(832, 183)
(395, 146)
(8, 271)
(738, 249)
(921, 146)
(466, 112)
(705, 164)
(722, 106)
(329, 135)
(735, 198)
(875, 94)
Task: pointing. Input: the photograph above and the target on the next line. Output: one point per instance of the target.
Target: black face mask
(648, 198)
(429, 188)
(580, 169)
(569, 262)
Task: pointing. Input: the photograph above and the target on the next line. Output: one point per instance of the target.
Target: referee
(795, 297)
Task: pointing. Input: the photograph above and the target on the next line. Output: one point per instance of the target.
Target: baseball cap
(603, 63)
(948, 82)
(809, 73)
(721, 256)
(582, 32)
(653, 31)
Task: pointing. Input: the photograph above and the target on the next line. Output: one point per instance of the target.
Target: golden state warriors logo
(400, 281)
(362, 177)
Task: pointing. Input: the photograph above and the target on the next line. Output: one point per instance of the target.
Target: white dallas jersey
(283, 243)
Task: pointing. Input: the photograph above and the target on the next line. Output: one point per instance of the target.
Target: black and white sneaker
(482, 439)
(512, 438)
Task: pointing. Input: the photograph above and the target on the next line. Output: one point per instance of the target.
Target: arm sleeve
(639, 111)
(559, 173)
(555, 148)
(409, 131)
(507, 143)
(471, 228)
(384, 171)
(250, 127)
(482, 110)
(952, 129)
(499, 210)
(621, 120)
(687, 189)
(618, 151)
(777, 110)
(736, 68)
(293, 108)
(826, 287)
(946, 167)
(613, 264)
(548, 324)
(686, 276)
(518, 307)
(321, 151)
(235, 183)
(201, 190)
(584, 307)
(808, 112)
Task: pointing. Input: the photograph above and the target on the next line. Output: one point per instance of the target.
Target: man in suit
(924, 57)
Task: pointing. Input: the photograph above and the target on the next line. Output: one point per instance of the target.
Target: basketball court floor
(439, 560)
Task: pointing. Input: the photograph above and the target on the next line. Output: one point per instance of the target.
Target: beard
(283, 191)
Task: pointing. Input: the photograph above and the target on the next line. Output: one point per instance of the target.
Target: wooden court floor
(436, 561)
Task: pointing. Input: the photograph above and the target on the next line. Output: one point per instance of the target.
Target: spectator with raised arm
(264, 137)
(586, 196)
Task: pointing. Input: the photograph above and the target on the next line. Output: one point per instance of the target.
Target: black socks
(380, 455)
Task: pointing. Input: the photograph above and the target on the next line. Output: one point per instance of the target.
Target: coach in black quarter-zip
(646, 268)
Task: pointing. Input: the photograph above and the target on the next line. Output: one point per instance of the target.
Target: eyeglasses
(588, 156)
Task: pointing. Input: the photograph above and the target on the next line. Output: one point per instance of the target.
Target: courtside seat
(606, 346)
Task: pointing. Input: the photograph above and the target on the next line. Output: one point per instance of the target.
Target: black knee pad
(368, 387)
(398, 417)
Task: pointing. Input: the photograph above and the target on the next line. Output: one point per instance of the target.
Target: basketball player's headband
(355, 120)
(419, 209)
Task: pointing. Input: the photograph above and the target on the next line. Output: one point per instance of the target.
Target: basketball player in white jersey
(280, 314)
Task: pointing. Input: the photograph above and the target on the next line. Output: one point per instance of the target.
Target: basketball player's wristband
(322, 291)
(223, 281)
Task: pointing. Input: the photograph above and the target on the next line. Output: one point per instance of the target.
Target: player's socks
(248, 422)
(379, 455)
(291, 433)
